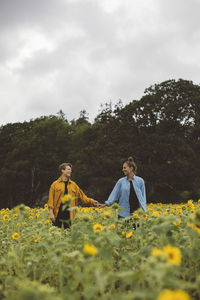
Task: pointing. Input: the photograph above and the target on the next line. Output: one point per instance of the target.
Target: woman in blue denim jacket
(129, 191)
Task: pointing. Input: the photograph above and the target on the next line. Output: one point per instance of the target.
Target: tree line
(161, 131)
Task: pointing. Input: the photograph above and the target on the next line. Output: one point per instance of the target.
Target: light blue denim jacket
(121, 193)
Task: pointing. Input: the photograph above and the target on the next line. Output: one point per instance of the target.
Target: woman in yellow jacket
(64, 185)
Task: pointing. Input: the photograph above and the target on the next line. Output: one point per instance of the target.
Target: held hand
(98, 204)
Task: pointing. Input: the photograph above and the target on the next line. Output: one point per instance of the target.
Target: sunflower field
(101, 256)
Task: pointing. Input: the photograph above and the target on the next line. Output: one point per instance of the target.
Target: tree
(161, 131)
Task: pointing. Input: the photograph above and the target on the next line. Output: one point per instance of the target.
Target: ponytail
(130, 162)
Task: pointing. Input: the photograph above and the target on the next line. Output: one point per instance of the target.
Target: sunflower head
(129, 235)
(173, 255)
(135, 216)
(5, 218)
(15, 236)
(90, 249)
(175, 295)
(97, 227)
(67, 199)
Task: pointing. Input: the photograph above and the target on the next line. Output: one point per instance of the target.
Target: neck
(64, 178)
(130, 176)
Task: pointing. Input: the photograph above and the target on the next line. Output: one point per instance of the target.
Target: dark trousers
(63, 218)
(65, 223)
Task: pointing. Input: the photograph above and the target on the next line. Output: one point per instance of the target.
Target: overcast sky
(78, 54)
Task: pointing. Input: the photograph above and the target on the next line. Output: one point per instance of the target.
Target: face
(127, 170)
(67, 171)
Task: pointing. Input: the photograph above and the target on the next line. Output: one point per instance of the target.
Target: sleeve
(51, 197)
(114, 196)
(84, 199)
(143, 191)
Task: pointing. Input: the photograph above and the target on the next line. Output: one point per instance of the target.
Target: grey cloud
(96, 56)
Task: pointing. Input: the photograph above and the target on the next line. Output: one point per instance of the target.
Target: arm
(51, 204)
(84, 198)
(114, 196)
(143, 190)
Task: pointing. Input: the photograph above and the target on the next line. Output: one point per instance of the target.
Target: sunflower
(145, 216)
(173, 295)
(15, 236)
(135, 216)
(177, 223)
(112, 226)
(97, 227)
(36, 240)
(67, 199)
(5, 218)
(129, 235)
(173, 254)
(90, 249)
(190, 204)
(158, 252)
(155, 213)
(197, 228)
(179, 211)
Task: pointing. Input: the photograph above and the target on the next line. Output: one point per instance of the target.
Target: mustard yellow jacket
(56, 192)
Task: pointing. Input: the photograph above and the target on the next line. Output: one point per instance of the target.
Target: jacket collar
(132, 178)
(60, 180)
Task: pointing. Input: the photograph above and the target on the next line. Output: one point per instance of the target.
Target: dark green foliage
(161, 131)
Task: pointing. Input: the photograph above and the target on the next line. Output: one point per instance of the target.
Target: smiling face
(67, 171)
(127, 170)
